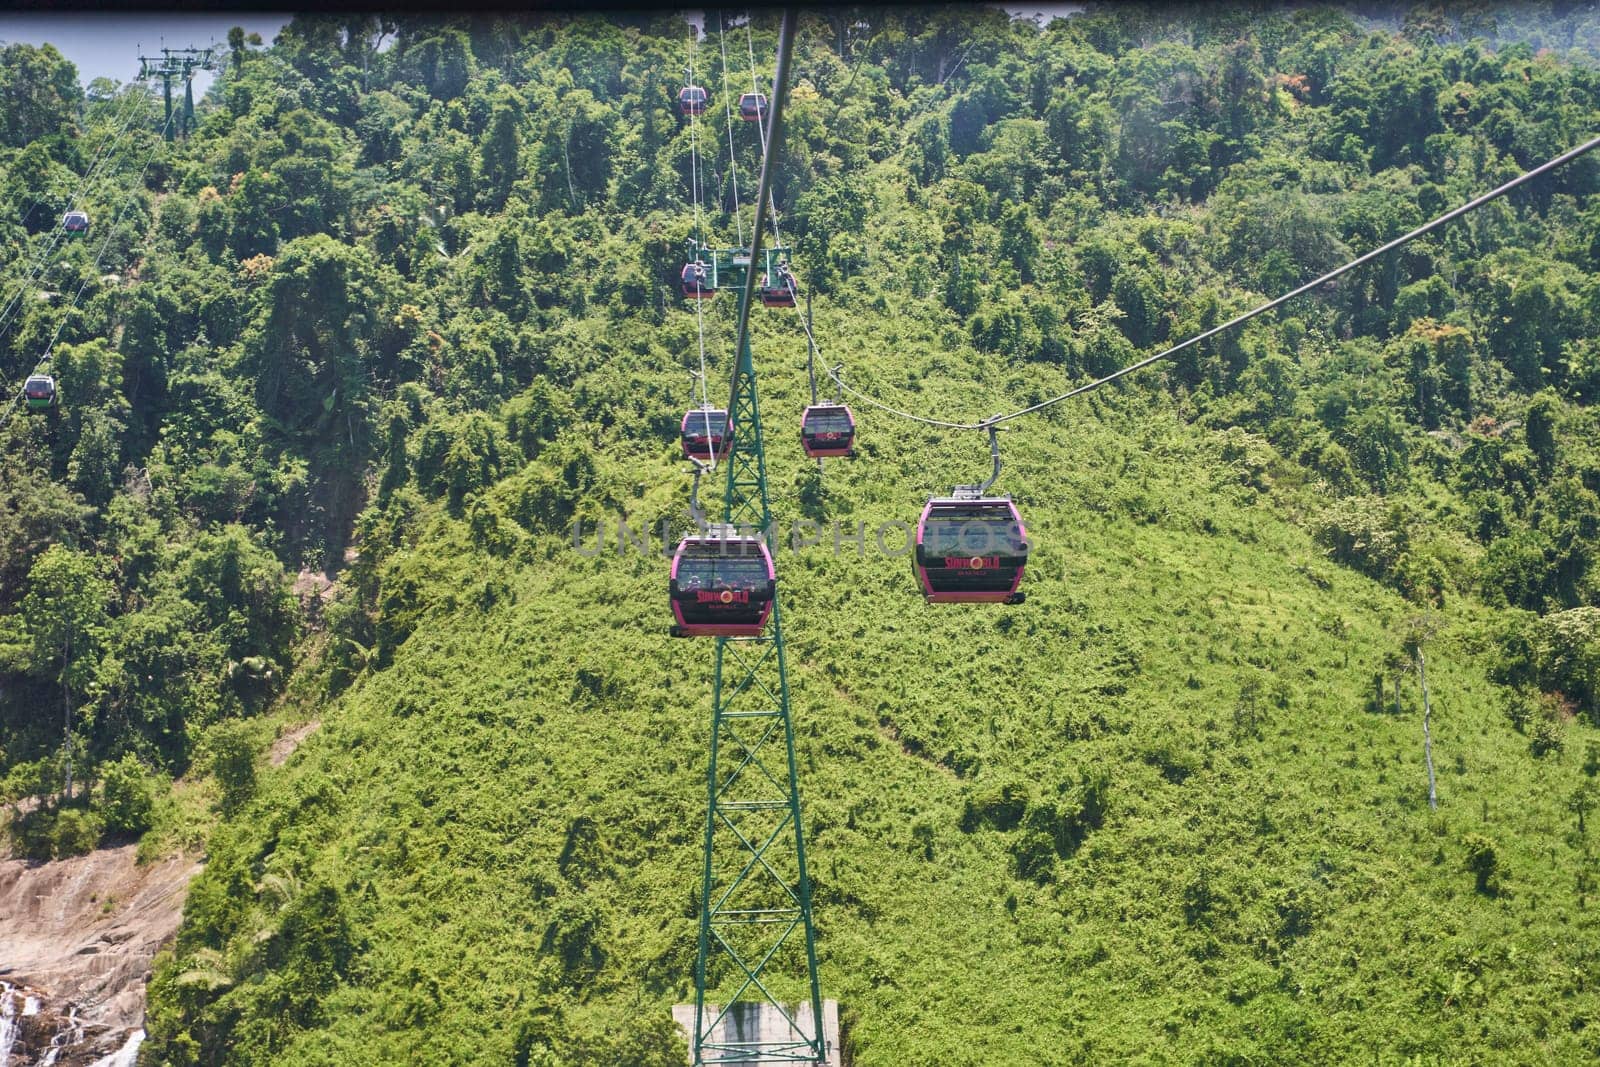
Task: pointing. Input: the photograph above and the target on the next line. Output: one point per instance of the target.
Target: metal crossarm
(181, 64)
(728, 268)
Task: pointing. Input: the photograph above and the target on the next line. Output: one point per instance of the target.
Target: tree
(1483, 860)
(65, 614)
(257, 208)
(1420, 629)
(309, 353)
(1567, 652)
(232, 758)
(41, 93)
(499, 154)
(1019, 239)
(128, 797)
(242, 594)
(1379, 448)
(1582, 801)
(1541, 429)
(443, 64)
(1518, 568)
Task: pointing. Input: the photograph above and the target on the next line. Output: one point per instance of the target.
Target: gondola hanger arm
(991, 424)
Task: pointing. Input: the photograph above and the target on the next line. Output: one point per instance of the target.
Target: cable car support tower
(177, 63)
(757, 998)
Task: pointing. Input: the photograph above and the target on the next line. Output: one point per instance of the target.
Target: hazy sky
(109, 46)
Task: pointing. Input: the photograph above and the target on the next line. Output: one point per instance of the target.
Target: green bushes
(50, 833)
(439, 273)
(1041, 829)
(1483, 860)
(1558, 653)
(128, 794)
(231, 756)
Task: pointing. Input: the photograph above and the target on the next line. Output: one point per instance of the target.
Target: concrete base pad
(753, 1023)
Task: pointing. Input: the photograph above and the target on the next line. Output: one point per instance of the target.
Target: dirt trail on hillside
(285, 746)
(76, 940)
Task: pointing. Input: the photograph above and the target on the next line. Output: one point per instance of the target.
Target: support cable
(699, 312)
(727, 107)
(94, 273)
(107, 148)
(761, 128)
(855, 68)
(1238, 320)
(774, 129)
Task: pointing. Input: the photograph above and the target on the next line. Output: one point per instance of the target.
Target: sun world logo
(725, 596)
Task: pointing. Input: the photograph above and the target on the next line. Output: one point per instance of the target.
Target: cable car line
(130, 109)
(727, 107)
(43, 259)
(761, 124)
(951, 73)
(777, 282)
(693, 106)
(825, 429)
(107, 147)
(754, 870)
(105, 243)
(1238, 320)
(94, 272)
(771, 131)
(855, 69)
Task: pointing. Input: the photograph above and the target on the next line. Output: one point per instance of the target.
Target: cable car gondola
(828, 430)
(696, 282)
(706, 433)
(971, 549)
(39, 392)
(753, 107)
(778, 291)
(75, 222)
(722, 585)
(692, 100)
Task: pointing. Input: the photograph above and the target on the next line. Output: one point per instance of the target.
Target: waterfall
(11, 1018)
(65, 1038)
(8, 1022)
(126, 1056)
(18, 1003)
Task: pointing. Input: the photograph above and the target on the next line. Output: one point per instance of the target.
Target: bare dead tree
(1427, 739)
(1420, 629)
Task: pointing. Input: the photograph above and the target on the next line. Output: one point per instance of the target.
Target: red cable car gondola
(778, 292)
(705, 433)
(971, 550)
(753, 107)
(696, 282)
(828, 430)
(39, 392)
(692, 100)
(722, 585)
(75, 222)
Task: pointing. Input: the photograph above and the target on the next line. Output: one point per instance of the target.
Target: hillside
(362, 349)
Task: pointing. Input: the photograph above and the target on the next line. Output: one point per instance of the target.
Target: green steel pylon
(177, 63)
(757, 942)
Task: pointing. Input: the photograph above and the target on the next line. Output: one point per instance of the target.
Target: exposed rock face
(76, 940)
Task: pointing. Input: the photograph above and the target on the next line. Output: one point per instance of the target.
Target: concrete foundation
(752, 1023)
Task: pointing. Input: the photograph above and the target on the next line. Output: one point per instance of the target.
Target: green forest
(340, 368)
